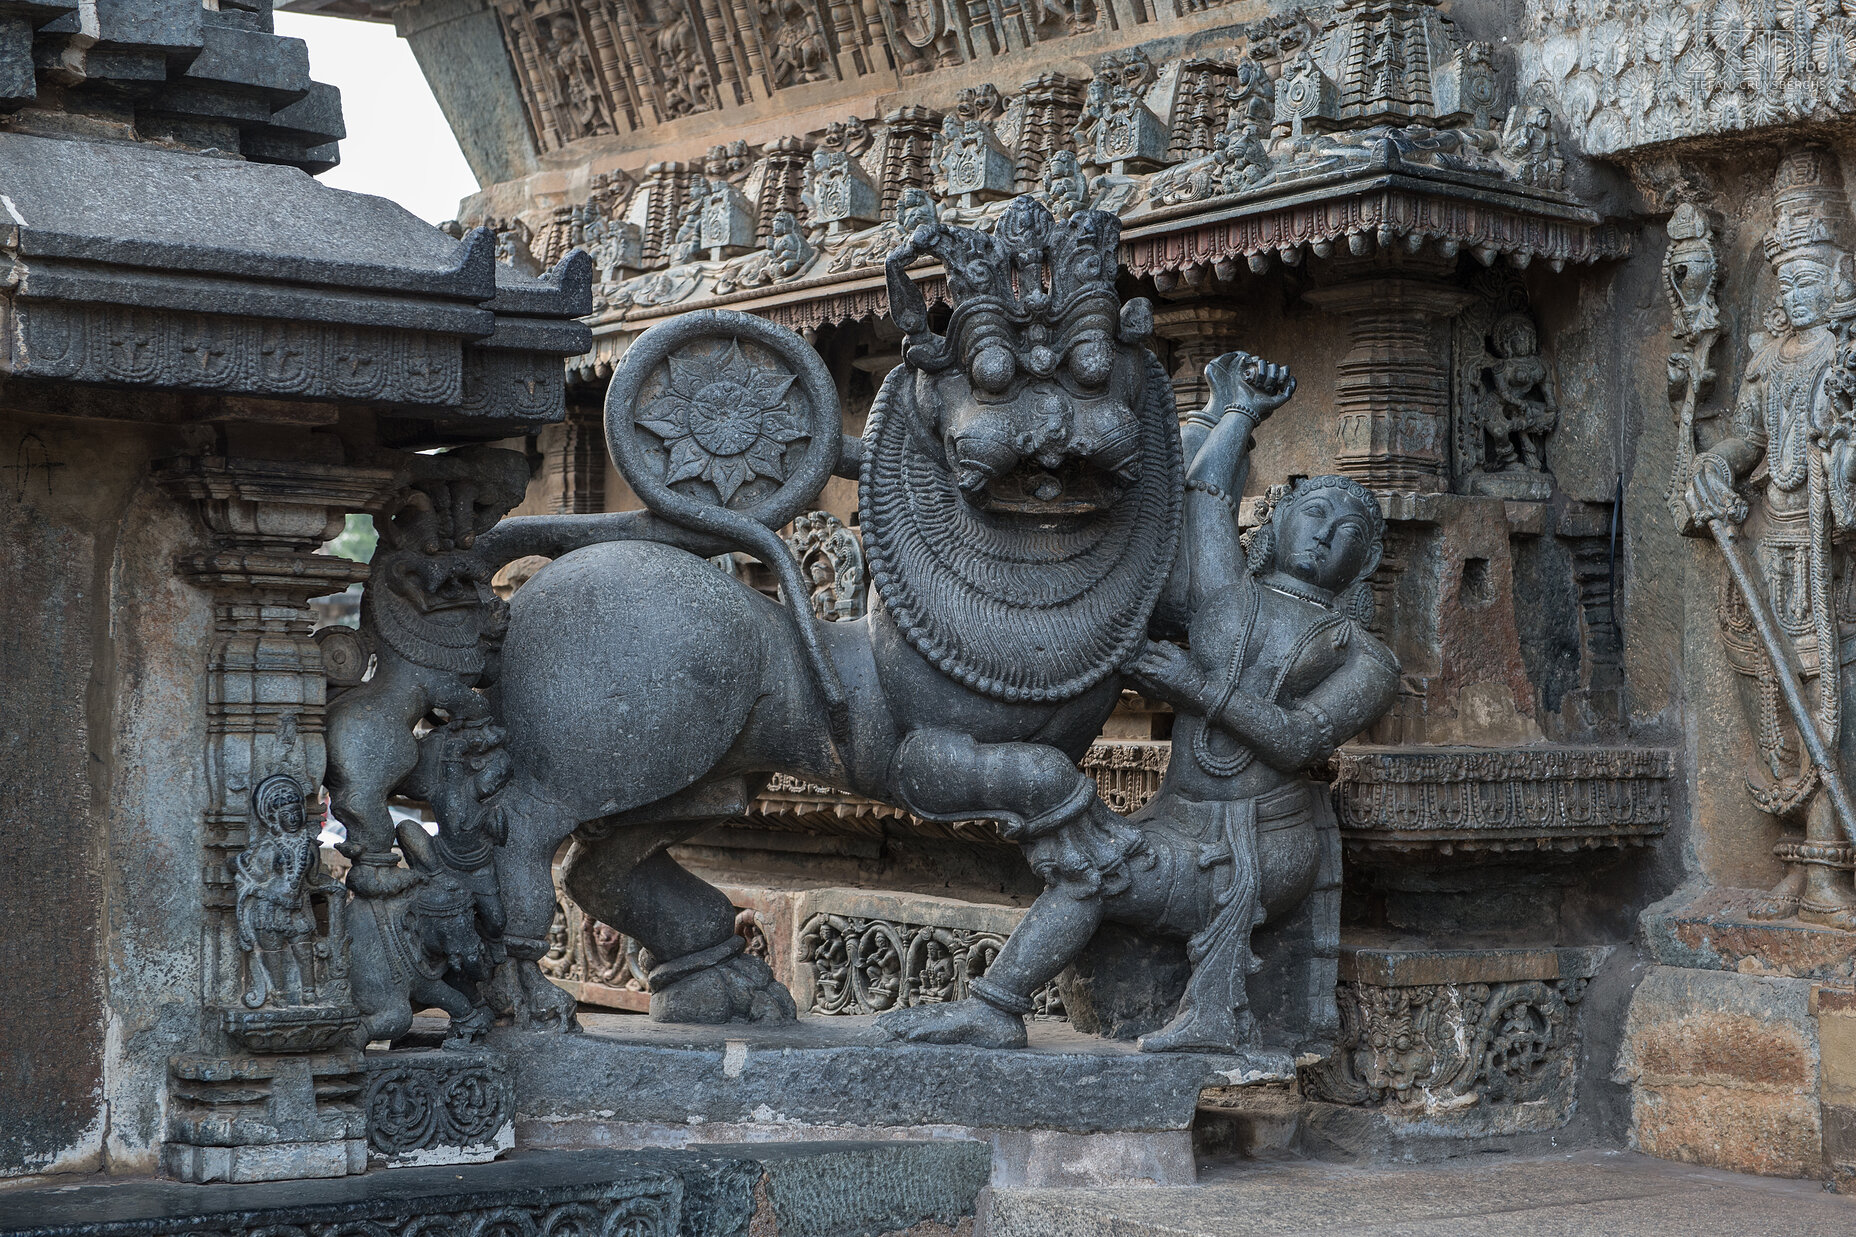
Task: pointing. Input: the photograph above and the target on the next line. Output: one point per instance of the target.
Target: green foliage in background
(357, 541)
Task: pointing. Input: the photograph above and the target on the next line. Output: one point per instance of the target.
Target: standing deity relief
(1506, 399)
(1776, 489)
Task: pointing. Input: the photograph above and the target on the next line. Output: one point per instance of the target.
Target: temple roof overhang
(1185, 247)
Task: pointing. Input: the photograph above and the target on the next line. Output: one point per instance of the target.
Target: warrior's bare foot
(1781, 901)
(971, 1021)
(1194, 1031)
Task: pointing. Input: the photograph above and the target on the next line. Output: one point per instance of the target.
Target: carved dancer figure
(1522, 412)
(1788, 417)
(280, 867)
(1280, 671)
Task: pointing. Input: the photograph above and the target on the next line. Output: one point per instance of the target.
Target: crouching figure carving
(1279, 671)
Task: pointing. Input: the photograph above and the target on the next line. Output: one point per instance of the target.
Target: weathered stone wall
(103, 791)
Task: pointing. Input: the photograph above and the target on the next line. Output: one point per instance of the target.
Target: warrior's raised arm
(1245, 390)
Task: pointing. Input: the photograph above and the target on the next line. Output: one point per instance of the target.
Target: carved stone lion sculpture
(1020, 503)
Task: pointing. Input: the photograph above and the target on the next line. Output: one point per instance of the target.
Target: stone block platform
(1071, 1109)
(819, 1189)
(1581, 1194)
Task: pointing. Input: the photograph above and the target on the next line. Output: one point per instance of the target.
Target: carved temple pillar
(1392, 390)
(275, 1094)
(1200, 333)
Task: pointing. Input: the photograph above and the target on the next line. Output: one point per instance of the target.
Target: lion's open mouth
(1073, 488)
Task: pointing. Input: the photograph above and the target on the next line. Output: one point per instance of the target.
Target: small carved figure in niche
(915, 208)
(276, 874)
(1090, 120)
(1066, 189)
(512, 245)
(1528, 142)
(672, 36)
(1524, 412)
(687, 244)
(1788, 416)
(583, 110)
(1281, 670)
(833, 560)
(1506, 405)
(1691, 274)
(787, 250)
(1251, 97)
(798, 51)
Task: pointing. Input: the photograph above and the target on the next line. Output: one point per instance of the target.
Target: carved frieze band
(158, 348)
(865, 966)
(1640, 72)
(527, 386)
(421, 1101)
(1441, 1048)
(1502, 799)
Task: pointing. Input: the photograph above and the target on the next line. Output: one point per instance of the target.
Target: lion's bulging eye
(1091, 362)
(993, 369)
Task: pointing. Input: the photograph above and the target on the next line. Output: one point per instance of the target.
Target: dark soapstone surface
(844, 1071)
(821, 1189)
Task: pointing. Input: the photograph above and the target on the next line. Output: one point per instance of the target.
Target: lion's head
(1034, 387)
(1020, 491)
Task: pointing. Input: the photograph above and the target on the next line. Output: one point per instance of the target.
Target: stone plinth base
(1069, 1109)
(264, 1118)
(1724, 1070)
(816, 1190)
(1710, 929)
(1740, 1046)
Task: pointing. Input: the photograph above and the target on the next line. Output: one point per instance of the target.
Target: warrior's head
(1816, 277)
(278, 803)
(1327, 533)
(1033, 389)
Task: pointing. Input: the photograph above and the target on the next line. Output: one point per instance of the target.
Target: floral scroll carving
(866, 966)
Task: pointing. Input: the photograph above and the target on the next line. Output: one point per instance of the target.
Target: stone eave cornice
(1358, 212)
(152, 269)
(1490, 218)
(804, 304)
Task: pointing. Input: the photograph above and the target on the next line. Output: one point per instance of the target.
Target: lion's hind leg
(620, 872)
